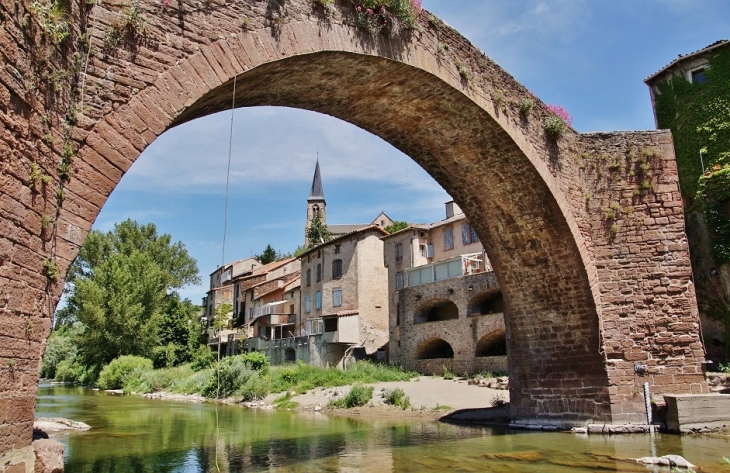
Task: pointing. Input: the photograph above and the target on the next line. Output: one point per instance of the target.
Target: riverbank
(429, 397)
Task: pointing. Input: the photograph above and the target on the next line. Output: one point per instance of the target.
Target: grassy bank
(245, 377)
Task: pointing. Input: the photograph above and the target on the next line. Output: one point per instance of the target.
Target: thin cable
(228, 174)
(223, 263)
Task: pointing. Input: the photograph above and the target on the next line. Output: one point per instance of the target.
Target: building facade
(691, 97)
(445, 306)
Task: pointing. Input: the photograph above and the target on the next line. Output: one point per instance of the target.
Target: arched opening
(434, 348)
(436, 310)
(290, 355)
(486, 302)
(492, 344)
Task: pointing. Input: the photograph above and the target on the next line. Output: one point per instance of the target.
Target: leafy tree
(396, 226)
(121, 288)
(179, 333)
(317, 233)
(299, 250)
(121, 308)
(268, 256)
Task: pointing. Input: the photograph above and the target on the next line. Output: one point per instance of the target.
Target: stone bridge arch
(577, 280)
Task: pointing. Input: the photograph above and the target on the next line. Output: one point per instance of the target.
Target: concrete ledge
(695, 413)
(586, 429)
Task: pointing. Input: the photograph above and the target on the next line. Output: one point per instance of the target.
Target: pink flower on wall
(561, 113)
(416, 4)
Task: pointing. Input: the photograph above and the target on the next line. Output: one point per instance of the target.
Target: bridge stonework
(586, 232)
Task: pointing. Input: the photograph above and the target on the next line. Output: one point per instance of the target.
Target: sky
(589, 56)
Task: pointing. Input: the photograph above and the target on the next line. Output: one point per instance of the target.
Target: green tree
(268, 256)
(396, 226)
(179, 332)
(317, 233)
(121, 288)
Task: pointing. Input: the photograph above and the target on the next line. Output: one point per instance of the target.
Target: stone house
(690, 96)
(221, 285)
(344, 299)
(445, 306)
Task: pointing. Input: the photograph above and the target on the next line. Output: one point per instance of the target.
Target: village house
(445, 305)
(221, 286)
(344, 295)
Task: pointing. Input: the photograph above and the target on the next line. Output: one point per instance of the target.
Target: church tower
(315, 203)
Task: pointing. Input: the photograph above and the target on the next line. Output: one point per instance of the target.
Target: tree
(268, 256)
(121, 288)
(396, 226)
(179, 332)
(317, 233)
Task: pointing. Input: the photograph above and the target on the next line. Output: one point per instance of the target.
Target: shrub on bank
(242, 375)
(302, 377)
(116, 374)
(358, 396)
(397, 397)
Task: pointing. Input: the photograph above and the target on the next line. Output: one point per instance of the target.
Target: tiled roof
(342, 237)
(681, 58)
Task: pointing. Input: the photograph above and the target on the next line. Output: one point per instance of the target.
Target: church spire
(316, 193)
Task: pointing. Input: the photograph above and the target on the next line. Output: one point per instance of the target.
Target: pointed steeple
(316, 193)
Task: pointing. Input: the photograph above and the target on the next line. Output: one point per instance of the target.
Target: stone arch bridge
(585, 231)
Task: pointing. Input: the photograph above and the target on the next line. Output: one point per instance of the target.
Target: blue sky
(590, 56)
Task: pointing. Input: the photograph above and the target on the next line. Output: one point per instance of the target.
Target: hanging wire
(223, 263)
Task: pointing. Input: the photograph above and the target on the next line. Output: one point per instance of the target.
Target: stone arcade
(587, 292)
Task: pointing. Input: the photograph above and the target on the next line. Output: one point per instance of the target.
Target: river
(135, 434)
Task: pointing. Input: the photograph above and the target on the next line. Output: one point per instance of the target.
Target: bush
(359, 395)
(71, 371)
(554, 126)
(396, 397)
(236, 376)
(203, 358)
(116, 374)
(60, 348)
(303, 377)
(448, 375)
(257, 361)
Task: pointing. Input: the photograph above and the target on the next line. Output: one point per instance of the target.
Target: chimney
(452, 209)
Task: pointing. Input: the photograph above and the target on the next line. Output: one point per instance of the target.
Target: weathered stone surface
(585, 234)
(48, 456)
(687, 413)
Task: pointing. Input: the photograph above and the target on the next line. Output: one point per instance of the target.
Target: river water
(134, 434)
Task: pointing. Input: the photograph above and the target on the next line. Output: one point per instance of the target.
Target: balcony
(463, 265)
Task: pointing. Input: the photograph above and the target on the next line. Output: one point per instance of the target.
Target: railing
(451, 268)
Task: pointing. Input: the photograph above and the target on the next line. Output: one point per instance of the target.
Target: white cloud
(269, 145)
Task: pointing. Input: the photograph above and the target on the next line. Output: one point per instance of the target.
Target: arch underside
(571, 294)
(551, 318)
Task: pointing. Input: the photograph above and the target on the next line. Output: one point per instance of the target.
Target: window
(309, 277)
(398, 251)
(468, 235)
(318, 300)
(338, 248)
(399, 280)
(397, 314)
(698, 76)
(319, 272)
(308, 303)
(330, 324)
(448, 238)
(422, 250)
(336, 297)
(336, 269)
(250, 312)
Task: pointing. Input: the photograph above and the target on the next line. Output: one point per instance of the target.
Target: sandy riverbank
(430, 398)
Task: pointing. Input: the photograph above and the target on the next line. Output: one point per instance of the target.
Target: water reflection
(132, 434)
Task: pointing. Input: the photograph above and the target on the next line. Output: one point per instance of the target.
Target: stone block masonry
(591, 286)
